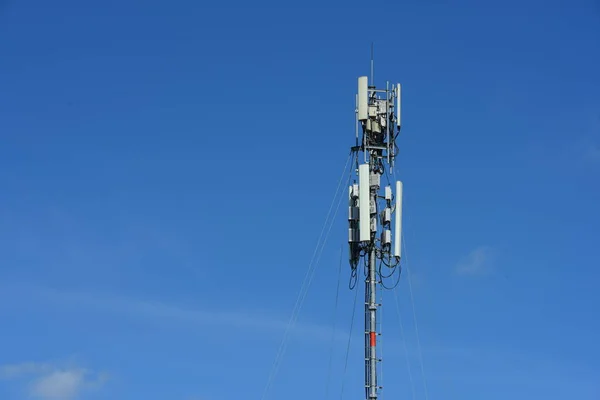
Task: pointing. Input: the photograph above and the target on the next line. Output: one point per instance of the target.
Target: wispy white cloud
(237, 318)
(46, 381)
(17, 370)
(477, 262)
(59, 385)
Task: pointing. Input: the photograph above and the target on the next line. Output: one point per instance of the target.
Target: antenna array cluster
(378, 114)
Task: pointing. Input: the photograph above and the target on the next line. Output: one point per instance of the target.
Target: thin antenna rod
(372, 67)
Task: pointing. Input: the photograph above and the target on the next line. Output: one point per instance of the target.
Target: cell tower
(378, 113)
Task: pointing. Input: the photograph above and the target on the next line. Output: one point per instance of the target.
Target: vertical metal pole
(372, 66)
(371, 312)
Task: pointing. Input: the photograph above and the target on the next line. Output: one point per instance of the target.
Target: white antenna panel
(363, 98)
(388, 193)
(364, 219)
(398, 104)
(386, 236)
(398, 227)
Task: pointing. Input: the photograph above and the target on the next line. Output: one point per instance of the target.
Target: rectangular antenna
(364, 203)
(398, 227)
(363, 98)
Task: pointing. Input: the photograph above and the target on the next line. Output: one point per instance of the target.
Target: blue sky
(166, 168)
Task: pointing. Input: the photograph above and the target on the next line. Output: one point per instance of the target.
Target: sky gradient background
(166, 167)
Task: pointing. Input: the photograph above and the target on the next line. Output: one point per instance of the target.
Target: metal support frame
(377, 112)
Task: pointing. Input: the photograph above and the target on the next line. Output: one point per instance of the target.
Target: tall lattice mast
(378, 113)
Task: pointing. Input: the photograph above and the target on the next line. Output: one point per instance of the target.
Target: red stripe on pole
(373, 340)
